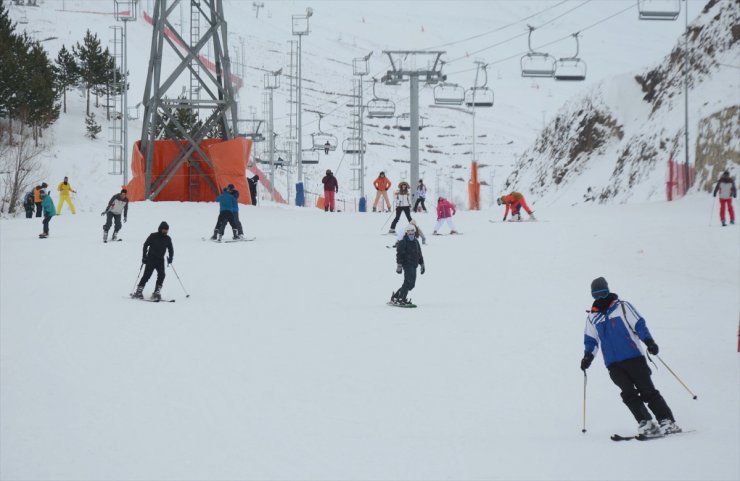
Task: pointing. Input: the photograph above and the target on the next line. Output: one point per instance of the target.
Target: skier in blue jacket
(618, 328)
(227, 204)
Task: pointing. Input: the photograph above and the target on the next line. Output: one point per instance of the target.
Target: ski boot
(157, 295)
(115, 236)
(375, 210)
(668, 426)
(235, 233)
(454, 232)
(105, 236)
(532, 217)
(215, 235)
(648, 428)
(732, 222)
(436, 233)
(392, 231)
(219, 238)
(139, 294)
(724, 224)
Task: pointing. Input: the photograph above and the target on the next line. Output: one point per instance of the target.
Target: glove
(125, 219)
(652, 348)
(586, 361)
(399, 269)
(143, 260)
(423, 269)
(103, 213)
(169, 260)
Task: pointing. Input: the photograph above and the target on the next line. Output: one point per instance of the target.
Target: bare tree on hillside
(19, 167)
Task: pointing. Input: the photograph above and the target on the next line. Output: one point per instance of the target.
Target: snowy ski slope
(285, 362)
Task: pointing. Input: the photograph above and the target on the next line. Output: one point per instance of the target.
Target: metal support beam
(414, 133)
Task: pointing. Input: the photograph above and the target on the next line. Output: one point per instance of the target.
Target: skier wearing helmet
(331, 186)
(408, 257)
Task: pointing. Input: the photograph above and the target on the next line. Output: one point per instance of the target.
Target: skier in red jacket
(514, 202)
(331, 186)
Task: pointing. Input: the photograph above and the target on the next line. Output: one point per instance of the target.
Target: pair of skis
(227, 241)
(131, 296)
(642, 437)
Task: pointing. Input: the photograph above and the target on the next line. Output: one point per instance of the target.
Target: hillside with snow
(614, 142)
(340, 31)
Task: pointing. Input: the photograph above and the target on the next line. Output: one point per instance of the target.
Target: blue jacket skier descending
(618, 328)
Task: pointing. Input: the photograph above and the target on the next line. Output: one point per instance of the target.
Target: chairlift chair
(24, 19)
(536, 64)
(658, 9)
(378, 108)
(449, 94)
(570, 68)
(479, 97)
(353, 145)
(323, 141)
(309, 156)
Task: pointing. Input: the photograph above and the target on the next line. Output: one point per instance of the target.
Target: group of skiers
(39, 200)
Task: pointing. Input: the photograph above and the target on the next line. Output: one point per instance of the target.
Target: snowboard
(405, 306)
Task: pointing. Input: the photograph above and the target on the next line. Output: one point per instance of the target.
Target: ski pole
(386, 221)
(677, 378)
(585, 378)
(178, 278)
(137, 278)
(711, 213)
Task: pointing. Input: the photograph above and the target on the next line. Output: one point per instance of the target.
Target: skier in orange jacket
(382, 184)
(514, 203)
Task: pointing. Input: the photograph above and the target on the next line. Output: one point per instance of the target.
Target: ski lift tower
(412, 65)
(272, 82)
(360, 68)
(125, 11)
(300, 29)
(216, 91)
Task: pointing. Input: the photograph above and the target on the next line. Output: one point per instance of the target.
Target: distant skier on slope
(619, 328)
(155, 247)
(408, 257)
(331, 187)
(226, 202)
(419, 233)
(727, 191)
(445, 211)
(421, 196)
(28, 204)
(47, 207)
(402, 200)
(514, 202)
(253, 182)
(117, 205)
(382, 184)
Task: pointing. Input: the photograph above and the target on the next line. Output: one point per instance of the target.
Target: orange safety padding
(228, 157)
(474, 187)
(266, 184)
(320, 203)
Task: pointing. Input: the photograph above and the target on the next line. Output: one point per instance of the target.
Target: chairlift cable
(498, 29)
(518, 55)
(521, 34)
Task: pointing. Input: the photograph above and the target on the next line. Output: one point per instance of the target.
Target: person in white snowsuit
(402, 199)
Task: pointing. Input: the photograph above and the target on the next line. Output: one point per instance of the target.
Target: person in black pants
(227, 205)
(402, 199)
(155, 247)
(408, 257)
(619, 328)
(253, 181)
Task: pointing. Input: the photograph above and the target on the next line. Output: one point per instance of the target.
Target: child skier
(408, 256)
(421, 196)
(619, 328)
(419, 233)
(117, 205)
(47, 207)
(226, 202)
(445, 211)
(155, 247)
(402, 199)
(727, 191)
(514, 202)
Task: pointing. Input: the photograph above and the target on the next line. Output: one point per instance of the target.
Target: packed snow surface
(286, 363)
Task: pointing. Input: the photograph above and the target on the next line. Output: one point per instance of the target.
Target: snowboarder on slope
(47, 206)
(226, 202)
(514, 202)
(155, 247)
(408, 256)
(445, 211)
(421, 196)
(331, 186)
(65, 189)
(382, 184)
(727, 191)
(402, 199)
(619, 328)
(117, 205)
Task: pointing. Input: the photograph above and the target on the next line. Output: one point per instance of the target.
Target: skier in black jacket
(155, 247)
(408, 256)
